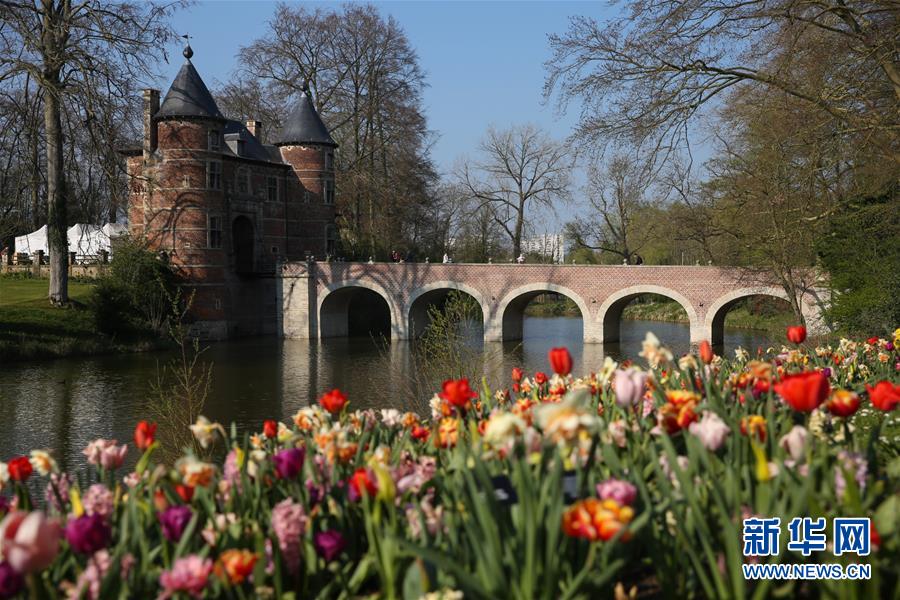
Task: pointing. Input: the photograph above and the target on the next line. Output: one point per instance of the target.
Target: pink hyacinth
(621, 491)
(289, 522)
(189, 575)
(711, 430)
(98, 499)
(105, 453)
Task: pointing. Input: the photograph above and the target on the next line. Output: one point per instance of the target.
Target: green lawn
(30, 328)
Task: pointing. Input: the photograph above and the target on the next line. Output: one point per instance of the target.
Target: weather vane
(188, 52)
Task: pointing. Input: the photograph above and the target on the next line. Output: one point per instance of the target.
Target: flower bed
(629, 481)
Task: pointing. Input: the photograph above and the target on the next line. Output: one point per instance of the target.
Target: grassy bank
(753, 313)
(30, 328)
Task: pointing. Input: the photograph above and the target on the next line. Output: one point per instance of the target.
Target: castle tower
(225, 208)
(306, 145)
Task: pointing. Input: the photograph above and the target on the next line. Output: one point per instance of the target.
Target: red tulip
(20, 468)
(706, 352)
(517, 374)
(457, 392)
(884, 396)
(333, 401)
(270, 428)
(560, 361)
(185, 492)
(843, 403)
(796, 334)
(420, 433)
(144, 435)
(804, 391)
(872, 341)
(361, 483)
(540, 378)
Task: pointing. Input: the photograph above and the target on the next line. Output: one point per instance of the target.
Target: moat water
(63, 404)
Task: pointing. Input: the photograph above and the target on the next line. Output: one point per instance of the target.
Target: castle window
(306, 196)
(329, 161)
(330, 238)
(214, 140)
(215, 232)
(243, 181)
(214, 175)
(272, 188)
(329, 191)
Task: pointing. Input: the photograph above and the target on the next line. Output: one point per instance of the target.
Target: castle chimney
(151, 107)
(255, 129)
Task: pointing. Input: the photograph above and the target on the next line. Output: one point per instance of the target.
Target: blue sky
(483, 60)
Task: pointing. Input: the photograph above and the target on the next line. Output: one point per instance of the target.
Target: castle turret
(307, 146)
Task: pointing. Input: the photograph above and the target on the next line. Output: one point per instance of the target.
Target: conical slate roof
(304, 125)
(189, 96)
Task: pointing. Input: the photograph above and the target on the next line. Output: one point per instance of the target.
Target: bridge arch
(421, 298)
(714, 324)
(610, 314)
(341, 303)
(509, 318)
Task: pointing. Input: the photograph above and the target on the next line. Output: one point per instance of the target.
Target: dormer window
(214, 140)
(240, 147)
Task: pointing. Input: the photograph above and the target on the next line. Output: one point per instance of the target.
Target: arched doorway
(354, 311)
(242, 239)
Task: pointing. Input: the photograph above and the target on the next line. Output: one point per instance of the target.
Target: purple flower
(88, 533)
(288, 463)
(174, 520)
(4, 505)
(618, 490)
(826, 372)
(329, 544)
(11, 581)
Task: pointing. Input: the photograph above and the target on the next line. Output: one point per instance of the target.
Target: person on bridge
(521, 259)
(447, 260)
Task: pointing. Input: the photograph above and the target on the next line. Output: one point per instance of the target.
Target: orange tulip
(236, 565)
(706, 352)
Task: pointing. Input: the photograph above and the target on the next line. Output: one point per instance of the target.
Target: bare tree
(91, 50)
(518, 171)
(644, 76)
(367, 83)
(617, 193)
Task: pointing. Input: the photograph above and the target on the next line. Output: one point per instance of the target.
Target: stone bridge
(321, 300)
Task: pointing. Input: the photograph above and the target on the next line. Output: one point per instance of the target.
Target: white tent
(34, 241)
(85, 240)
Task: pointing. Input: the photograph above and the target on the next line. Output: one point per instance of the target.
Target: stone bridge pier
(320, 300)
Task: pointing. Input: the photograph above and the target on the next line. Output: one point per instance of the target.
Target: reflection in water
(63, 404)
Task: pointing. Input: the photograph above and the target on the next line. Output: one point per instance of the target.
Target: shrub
(136, 292)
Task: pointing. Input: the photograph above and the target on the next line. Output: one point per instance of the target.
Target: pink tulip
(106, 453)
(29, 541)
(629, 386)
(710, 430)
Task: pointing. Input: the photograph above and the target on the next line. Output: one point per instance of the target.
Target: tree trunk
(56, 201)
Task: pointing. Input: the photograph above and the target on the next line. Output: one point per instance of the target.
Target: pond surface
(63, 404)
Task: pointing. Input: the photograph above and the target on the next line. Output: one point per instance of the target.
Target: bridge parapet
(312, 294)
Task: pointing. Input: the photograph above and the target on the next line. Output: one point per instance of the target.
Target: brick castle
(224, 207)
